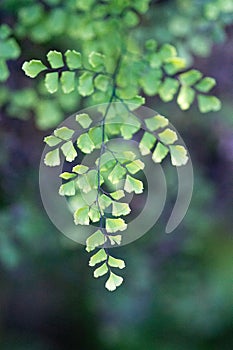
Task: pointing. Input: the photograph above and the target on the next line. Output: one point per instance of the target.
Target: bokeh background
(177, 293)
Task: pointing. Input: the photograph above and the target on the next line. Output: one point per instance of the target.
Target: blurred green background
(177, 293)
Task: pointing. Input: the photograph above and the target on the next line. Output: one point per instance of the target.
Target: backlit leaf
(84, 120)
(185, 97)
(52, 158)
(81, 216)
(64, 133)
(55, 59)
(113, 282)
(118, 263)
(146, 143)
(98, 257)
(85, 143)
(51, 82)
(114, 225)
(85, 86)
(178, 155)
(133, 185)
(67, 82)
(159, 153)
(69, 151)
(73, 59)
(168, 136)
(67, 189)
(119, 209)
(33, 68)
(100, 271)
(95, 240)
(156, 122)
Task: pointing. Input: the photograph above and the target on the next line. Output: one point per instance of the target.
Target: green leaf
(80, 169)
(168, 89)
(113, 282)
(113, 262)
(55, 59)
(85, 144)
(104, 201)
(33, 68)
(135, 102)
(114, 225)
(156, 122)
(84, 120)
(81, 216)
(73, 59)
(115, 239)
(100, 271)
(52, 140)
(127, 131)
(117, 194)
(116, 174)
(101, 82)
(208, 103)
(206, 84)
(94, 214)
(51, 82)
(67, 189)
(178, 155)
(4, 72)
(174, 65)
(83, 183)
(135, 166)
(98, 257)
(191, 77)
(185, 97)
(155, 61)
(168, 136)
(69, 151)
(67, 176)
(159, 153)
(67, 82)
(86, 87)
(95, 240)
(150, 81)
(167, 51)
(133, 185)
(119, 209)
(146, 143)
(52, 158)
(64, 133)
(96, 136)
(96, 60)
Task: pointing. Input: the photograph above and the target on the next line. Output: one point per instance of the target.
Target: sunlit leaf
(114, 225)
(84, 120)
(98, 257)
(118, 263)
(95, 240)
(67, 189)
(168, 136)
(64, 133)
(178, 155)
(73, 59)
(52, 158)
(55, 59)
(81, 216)
(159, 153)
(133, 185)
(100, 271)
(113, 282)
(33, 68)
(69, 151)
